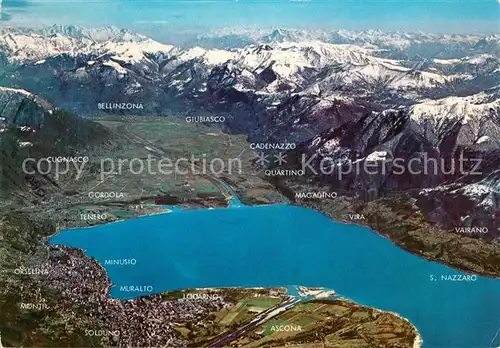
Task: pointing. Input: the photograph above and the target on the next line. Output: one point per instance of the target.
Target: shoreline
(286, 289)
(371, 229)
(417, 341)
(167, 211)
(110, 285)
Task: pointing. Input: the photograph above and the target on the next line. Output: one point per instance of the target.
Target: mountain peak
(279, 35)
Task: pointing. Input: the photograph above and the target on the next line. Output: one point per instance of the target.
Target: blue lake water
(281, 245)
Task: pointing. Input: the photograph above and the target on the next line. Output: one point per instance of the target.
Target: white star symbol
(262, 159)
(280, 158)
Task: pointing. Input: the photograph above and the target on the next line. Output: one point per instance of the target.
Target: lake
(280, 245)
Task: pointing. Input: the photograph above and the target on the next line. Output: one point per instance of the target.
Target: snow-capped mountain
(299, 63)
(478, 116)
(21, 45)
(407, 44)
(306, 84)
(77, 32)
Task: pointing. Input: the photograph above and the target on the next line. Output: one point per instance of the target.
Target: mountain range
(345, 95)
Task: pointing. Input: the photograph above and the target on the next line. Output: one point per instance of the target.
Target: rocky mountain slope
(30, 127)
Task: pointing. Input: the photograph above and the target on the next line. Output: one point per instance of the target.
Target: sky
(443, 16)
